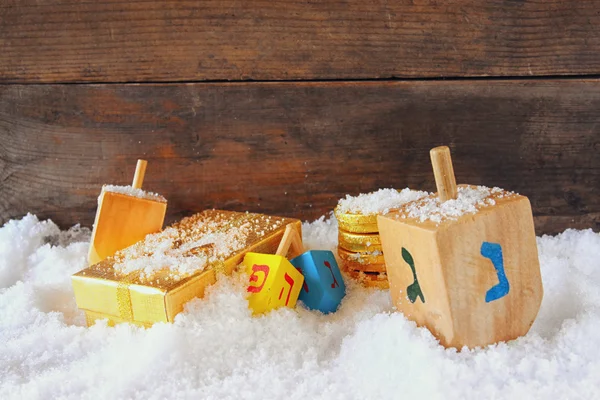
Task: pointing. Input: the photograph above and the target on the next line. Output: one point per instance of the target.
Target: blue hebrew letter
(493, 251)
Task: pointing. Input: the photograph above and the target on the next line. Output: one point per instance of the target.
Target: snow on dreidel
(464, 263)
(274, 281)
(323, 287)
(126, 214)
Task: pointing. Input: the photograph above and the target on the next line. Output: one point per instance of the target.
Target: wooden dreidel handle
(444, 173)
(140, 172)
(291, 238)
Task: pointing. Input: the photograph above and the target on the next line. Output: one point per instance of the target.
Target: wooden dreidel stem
(291, 239)
(444, 173)
(140, 172)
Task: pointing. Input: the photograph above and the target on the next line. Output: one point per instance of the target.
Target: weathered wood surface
(295, 149)
(137, 41)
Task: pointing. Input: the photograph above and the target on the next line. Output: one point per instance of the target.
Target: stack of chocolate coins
(359, 248)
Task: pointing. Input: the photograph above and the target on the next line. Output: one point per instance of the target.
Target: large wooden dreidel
(274, 281)
(125, 216)
(469, 273)
(323, 287)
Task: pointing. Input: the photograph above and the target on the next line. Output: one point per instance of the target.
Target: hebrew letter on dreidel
(414, 290)
(304, 285)
(335, 282)
(290, 281)
(493, 251)
(254, 277)
(322, 276)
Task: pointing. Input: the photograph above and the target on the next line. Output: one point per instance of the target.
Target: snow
(133, 192)
(469, 200)
(157, 252)
(217, 350)
(193, 244)
(378, 202)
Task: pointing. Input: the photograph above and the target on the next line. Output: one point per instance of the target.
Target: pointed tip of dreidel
(140, 172)
(443, 172)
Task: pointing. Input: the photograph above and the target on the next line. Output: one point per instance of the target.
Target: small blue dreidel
(323, 287)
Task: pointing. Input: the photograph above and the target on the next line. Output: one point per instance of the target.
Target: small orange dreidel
(464, 263)
(125, 215)
(274, 281)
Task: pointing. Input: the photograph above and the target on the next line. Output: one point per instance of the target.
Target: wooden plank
(137, 41)
(295, 149)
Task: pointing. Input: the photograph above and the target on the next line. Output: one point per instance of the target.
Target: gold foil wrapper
(103, 292)
(358, 239)
(366, 278)
(361, 258)
(364, 267)
(357, 223)
(359, 242)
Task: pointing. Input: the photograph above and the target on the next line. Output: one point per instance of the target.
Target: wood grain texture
(137, 41)
(295, 149)
(443, 172)
(472, 280)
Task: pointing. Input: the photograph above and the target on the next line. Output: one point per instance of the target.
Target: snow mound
(378, 202)
(216, 349)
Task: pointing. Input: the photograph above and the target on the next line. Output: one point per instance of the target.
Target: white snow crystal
(378, 202)
(133, 192)
(469, 200)
(216, 349)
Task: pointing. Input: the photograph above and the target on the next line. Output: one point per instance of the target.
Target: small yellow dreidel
(125, 215)
(274, 281)
(464, 264)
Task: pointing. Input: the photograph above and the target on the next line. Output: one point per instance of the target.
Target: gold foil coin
(368, 279)
(359, 242)
(361, 258)
(357, 223)
(364, 267)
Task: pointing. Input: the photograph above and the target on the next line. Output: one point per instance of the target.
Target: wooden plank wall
(286, 106)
